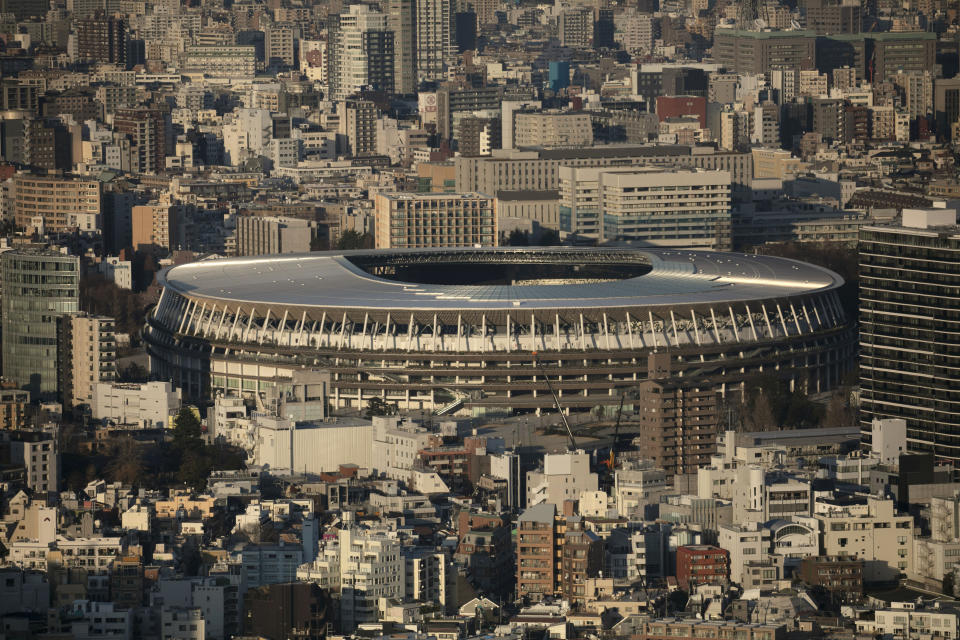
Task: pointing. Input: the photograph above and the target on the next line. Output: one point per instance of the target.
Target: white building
(117, 271)
(148, 404)
(875, 534)
(348, 71)
(182, 623)
(663, 208)
(269, 564)
(100, 620)
(911, 621)
(364, 566)
(564, 477)
(396, 443)
(637, 484)
(308, 447)
(217, 596)
(136, 518)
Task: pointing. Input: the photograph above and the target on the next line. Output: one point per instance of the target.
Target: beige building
(775, 163)
(155, 225)
(871, 532)
(57, 204)
(87, 350)
(571, 129)
(407, 220)
(541, 207)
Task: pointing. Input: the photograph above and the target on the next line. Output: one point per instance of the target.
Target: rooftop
(334, 279)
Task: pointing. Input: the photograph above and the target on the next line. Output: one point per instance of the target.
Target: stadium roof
(330, 279)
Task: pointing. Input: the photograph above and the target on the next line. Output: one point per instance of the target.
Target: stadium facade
(455, 329)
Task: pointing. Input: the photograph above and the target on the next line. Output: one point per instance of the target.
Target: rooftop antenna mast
(556, 402)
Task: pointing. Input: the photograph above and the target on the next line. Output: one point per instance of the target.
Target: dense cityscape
(480, 319)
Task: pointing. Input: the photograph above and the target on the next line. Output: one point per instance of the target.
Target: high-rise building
(360, 53)
(39, 285)
(827, 17)
(358, 124)
(436, 43)
(146, 129)
(402, 21)
(603, 30)
(434, 220)
(575, 27)
(754, 52)
(87, 353)
(279, 48)
(156, 226)
(103, 39)
(538, 567)
(908, 327)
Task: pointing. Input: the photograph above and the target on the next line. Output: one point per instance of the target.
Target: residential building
(436, 46)
(221, 61)
(405, 220)
(360, 52)
(87, 354)
(358, 126)
(39, 454)
(902, 312)
(149, 405)
(873, 533)
(699, 565)
(55, 204)
(364, 566)
(575, 27)
(275, 610)
(102, 38)
(146, 131)
(834, 573)
(401, 20)
(538, 572)
(549, 129)
(564, 477)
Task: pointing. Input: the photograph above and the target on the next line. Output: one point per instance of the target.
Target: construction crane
(556, 402)
(616, 433)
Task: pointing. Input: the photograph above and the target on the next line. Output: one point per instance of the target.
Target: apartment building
(148, 404)
(702, 564)
(55, 204)
(538, 570)
(87, 354)
(872, 532)
(406, 220)
(546, 129)
(221, 61)
(39, 454)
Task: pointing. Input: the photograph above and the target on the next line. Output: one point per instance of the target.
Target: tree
(380, 407)
(948, 584)
(518, 238)
(354, 240)
(838, 413)
(187, 430)
(761, 417)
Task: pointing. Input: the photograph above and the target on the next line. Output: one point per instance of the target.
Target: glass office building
(39, 285)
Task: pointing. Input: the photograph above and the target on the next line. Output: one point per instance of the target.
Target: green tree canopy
(187, 430)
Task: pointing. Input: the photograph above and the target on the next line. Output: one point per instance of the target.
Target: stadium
(455, 330)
